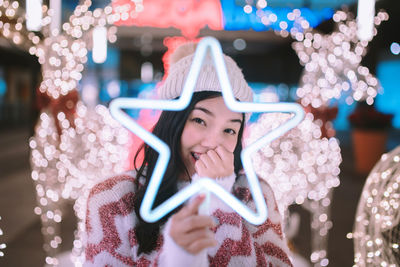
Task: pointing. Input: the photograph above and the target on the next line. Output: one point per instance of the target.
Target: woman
(205, 141)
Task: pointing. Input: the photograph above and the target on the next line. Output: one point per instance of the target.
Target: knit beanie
(180, 63)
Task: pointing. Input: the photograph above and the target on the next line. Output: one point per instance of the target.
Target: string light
(60, 175)
(332, 63)
(301, 168)
(2, 245)
(293, 24)
(62, 56)
(376, 230)
(101, 144)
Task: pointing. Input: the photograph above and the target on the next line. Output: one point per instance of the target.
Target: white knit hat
(180, 63)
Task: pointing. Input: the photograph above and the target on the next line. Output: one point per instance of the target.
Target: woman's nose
(212, 140)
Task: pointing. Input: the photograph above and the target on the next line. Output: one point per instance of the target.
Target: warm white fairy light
(300, 24)
(62, 56)
(100, 143)
(12, 23)
(377, 222)
(60, 175)
(2, 245)
(332, 63)
(67, 54)
(302, 168)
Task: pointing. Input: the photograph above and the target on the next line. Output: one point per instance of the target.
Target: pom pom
(182, 51)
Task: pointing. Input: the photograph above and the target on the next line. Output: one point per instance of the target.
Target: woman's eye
(199, 121)
(230, 131)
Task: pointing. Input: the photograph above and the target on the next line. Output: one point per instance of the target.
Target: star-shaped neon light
(116, 109)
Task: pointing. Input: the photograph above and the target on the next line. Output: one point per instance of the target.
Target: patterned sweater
(110, 222)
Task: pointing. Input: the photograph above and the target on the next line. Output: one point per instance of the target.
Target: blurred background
(62, 62)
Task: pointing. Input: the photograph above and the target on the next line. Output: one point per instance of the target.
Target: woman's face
(209, 125)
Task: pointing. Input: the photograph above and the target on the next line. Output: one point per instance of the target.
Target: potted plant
(370, 129)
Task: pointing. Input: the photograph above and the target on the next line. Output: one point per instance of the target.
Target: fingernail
(200, 197)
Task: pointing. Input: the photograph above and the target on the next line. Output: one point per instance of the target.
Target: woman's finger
(189, 238)
(227, 158)
(214, 157)
(200, 168)
(191, 208)
(201, 244)
(205, 158)
(223, 153)
(195, 222)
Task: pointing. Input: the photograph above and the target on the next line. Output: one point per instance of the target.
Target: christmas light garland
(377, 223)
(332, 63)
(2, 245)
(301, 168)
(60, 175)
(102, 143)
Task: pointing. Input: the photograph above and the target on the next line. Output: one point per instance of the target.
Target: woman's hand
(216, 163)
(190, 230)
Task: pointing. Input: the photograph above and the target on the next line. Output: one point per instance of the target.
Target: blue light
(236, 19)
(3, 87)
(395, 48)
(389, 101)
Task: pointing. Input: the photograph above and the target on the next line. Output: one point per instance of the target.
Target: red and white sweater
(110, 222)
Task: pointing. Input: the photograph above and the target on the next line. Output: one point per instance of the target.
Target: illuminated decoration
(2, 245)
(188, 16)
(60, 175)
(302, 168)
(63, 56)
(191, 16)
(99, 50)
(146, 72)
(68, 52)
(34, 15)
(146, 212)
(377, 223)
(365, 19)
(332, 64)
(261, 17)
(12, 26)
(395, 48)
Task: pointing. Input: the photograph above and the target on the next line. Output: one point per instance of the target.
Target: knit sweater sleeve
(110, 221)
(244, 244)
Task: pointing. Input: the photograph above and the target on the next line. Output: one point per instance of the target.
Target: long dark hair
(169, 129)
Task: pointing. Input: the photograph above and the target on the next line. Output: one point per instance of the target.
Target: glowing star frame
(179, 198)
